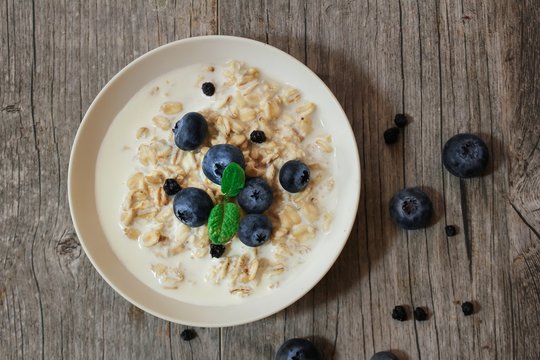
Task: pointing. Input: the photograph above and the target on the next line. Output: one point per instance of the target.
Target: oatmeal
(273, 126)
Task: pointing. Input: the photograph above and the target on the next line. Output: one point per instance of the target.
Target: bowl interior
(216, 49)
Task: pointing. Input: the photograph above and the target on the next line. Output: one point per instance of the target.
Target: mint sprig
(223, 222)
(225, 216)
(232, 180)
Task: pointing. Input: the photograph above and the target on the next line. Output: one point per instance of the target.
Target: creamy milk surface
(117, 161)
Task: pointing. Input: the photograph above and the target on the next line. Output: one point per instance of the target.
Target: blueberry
(465, 155)
(384, 355)
(294, 176)
(192, 206)
(254, 230)
(217, 159)
(298, 349)
(391, 135)
(171, 187)
(420, 314)
(190, 131)
(411, 208)
(208, 89)
(256, 196)
(257, 136)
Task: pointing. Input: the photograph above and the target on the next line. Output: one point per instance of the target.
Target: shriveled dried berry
(257, 136)
(208, 89)
(216, 250)
(399, 313)
(391, 135)
(171, 187)
(188, 334)
(450, 230)
(400, 120)
(468, 308)
(420, 314)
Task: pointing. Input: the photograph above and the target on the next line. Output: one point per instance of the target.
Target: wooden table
(469, 66)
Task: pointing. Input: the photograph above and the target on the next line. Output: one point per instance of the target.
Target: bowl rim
(85, 121)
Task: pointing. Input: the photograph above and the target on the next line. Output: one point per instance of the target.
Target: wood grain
(469, 66)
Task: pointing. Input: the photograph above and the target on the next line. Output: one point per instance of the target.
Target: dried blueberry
(400, 120)
(420, 314)
(171, 187)
(188, 334)
(450, 230)
(399, 313)
(216, 250)
(208, 89)
(391, 135)
(468, 308)
(257, 136)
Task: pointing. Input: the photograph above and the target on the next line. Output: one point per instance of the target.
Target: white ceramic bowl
(82, 165)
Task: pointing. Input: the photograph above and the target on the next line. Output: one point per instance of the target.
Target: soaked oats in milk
(244, 101)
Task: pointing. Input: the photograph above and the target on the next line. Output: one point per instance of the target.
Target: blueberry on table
(257, 136)
(411, 208)
(465, 155)
(254, 230)
(188, 334)
(400, 120)
(468, 308)
(190, 131)
(399, 313)
(171, 187)
(420, 314)
(384, 355)
(298, 349)
(256, 196)
(391, 135)
(192, 206)
(208, 88)
(294, 176)
(218, 157)
(216, 251)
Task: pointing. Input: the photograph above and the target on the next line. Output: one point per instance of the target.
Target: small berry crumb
(468, 308)
(400, 120)
(450, 230)
(208, 89)
(188, 334)
(391, 135)
(257, 136)
(399, 313)
(216, 250)
(171, 187)
(420, 314)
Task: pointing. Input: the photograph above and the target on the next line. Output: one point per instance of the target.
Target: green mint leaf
(232, 180)
(223, 222)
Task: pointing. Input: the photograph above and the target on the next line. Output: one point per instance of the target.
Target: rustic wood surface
(452, 66)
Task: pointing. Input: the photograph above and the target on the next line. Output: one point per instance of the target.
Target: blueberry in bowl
(411, 208)
(218, 157)
(190, 131)
(256, 196)
(192, 206)
(294, 176)
(254, 230)
(298, 349)
(465, 155)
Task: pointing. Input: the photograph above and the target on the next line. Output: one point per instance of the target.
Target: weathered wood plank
(56, 56)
